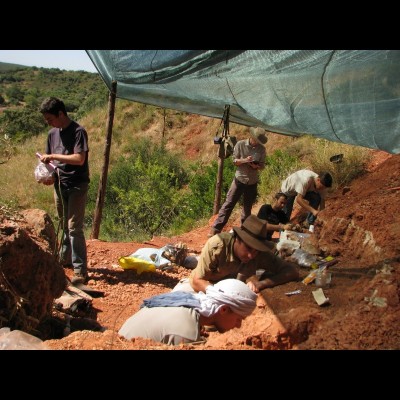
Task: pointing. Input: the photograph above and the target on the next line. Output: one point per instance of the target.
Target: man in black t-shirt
(67, 148)
(274, 215)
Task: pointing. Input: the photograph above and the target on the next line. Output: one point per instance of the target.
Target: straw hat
(259, 135)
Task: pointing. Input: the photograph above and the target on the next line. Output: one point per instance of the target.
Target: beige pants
(184, 286)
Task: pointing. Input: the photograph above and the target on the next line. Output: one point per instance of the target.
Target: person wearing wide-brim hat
(249, 158)
(259, 135)
(238, 255)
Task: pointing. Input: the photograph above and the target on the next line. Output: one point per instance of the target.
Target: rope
(58, 244)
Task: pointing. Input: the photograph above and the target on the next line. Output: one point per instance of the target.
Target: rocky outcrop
(30, 276)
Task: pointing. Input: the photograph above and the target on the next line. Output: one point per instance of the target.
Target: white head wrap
(231, 292)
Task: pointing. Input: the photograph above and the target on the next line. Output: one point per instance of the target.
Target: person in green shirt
(238, 255)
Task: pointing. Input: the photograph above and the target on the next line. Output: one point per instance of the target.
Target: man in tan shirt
(239, 255)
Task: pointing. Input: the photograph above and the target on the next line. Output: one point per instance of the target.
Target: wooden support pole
(103, 178)
(218, 186)
(221, 154)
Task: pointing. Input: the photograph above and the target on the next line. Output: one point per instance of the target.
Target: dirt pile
(361, 224)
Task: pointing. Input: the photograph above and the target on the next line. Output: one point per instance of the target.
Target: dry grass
(17, 180)
(355, 159)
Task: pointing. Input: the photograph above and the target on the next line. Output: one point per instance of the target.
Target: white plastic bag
(288, 245)
(44, 173)
(303, 258)
(152, 255)
(19, 340)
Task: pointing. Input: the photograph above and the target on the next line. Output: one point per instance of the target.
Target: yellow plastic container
(137, 264)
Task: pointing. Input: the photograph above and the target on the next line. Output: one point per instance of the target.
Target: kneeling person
(177, 317)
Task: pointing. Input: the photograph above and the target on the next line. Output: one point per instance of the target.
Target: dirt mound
(360, 224)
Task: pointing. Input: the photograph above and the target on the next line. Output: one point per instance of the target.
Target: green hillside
(22, 91)
(11, 67)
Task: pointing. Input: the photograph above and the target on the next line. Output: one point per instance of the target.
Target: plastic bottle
(323, 278)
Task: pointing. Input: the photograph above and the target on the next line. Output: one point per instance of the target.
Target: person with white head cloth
(178, 317)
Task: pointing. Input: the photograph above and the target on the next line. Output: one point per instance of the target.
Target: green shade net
(347, 96)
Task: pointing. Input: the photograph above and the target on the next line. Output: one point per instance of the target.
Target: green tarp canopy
(348, 96)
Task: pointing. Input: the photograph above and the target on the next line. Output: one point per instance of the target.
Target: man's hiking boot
(79, 278)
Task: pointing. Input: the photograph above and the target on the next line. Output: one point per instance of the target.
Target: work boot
(79, 277)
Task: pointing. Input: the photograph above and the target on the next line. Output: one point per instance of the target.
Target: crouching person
(178, 317)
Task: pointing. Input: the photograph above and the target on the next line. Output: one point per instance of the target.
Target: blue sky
(63, 59)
